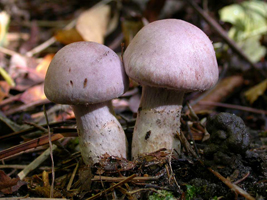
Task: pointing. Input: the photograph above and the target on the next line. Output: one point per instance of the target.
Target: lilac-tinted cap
(172, 54)
(85, 72)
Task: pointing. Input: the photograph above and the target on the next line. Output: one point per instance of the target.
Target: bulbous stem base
(99, 132)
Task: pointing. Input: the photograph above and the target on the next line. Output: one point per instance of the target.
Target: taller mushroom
(87, 75)
(168, 58)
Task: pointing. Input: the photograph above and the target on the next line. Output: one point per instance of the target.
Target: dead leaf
(43, 66)
(46, 188)
(85, 177)
(18, 65)
(153, 9)
(22, 70)
(4, 89)
(220, 92)
(45, 176)
(130, 28)
(253, 93)
(68, 36)
(35, 93)
(6, 183)
(134, 102)
(120, 105)
(92, 24)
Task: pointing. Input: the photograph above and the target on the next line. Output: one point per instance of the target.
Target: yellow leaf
(45, 176)
(4, 21)
(253, 93)
(68, 36)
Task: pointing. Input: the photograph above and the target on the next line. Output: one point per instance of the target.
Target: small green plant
(191, 192)
(162, 195)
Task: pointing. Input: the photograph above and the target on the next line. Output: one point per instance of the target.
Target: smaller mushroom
(88, 75)
(168, 58)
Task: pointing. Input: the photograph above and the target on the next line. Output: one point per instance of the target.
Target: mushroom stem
(99, 132)
(158, 121)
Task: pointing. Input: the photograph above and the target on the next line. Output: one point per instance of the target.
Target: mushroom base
(99, 132)
(158, 121)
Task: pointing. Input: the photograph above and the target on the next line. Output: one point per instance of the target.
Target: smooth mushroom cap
(172, 54)
(85, 73)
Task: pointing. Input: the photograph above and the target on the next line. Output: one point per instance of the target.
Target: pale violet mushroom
(88, 75)
(168, 58)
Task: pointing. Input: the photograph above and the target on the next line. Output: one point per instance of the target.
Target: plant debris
(223, 130)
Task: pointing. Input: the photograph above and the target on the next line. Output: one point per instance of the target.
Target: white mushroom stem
(99, 132)
(158, 121)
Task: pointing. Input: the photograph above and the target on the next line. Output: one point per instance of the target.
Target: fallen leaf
(4, 89)
(220, 92)
(92, 24)
(153, 9)
(120, 105)
(4, 22)
(18, 65)
(45, 176)
(33, 94)
(134, 102)
(68, 36)
(6, 183)
(130, 28)
(22, 70)
(253, 93)
(43, 66)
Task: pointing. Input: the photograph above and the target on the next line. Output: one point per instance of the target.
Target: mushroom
(88, 75)
(168, 58)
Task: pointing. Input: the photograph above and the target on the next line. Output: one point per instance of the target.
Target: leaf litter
(212, 164)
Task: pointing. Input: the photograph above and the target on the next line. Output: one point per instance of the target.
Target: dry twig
(35, 163)
(112, 187)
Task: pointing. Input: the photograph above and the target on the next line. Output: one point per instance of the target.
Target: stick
(51, 154)
(34, 164)
(112, 187)
(236, 107)
(72, 176)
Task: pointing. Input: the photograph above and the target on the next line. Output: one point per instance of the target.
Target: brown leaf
(43, 66)
(33, 94)
(6, 183)
(68, 36)
(220, 92)
(153, 9)
(4, 89)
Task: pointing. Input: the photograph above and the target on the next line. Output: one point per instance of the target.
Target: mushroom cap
(172, 54)
(85, 73)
